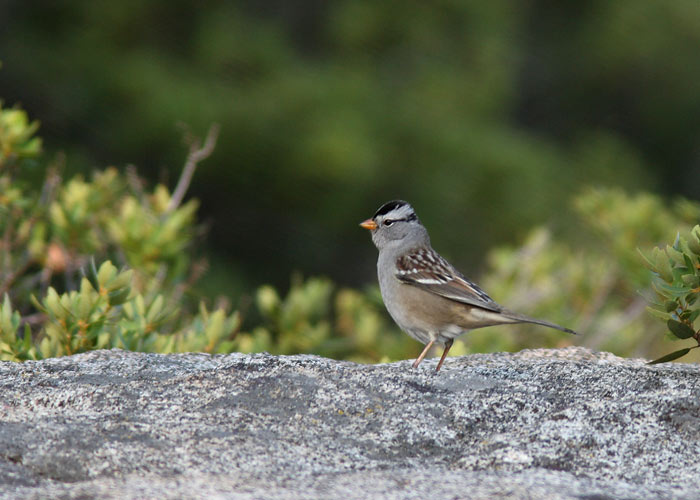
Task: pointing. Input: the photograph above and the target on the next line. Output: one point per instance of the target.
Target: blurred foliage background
(527, 135)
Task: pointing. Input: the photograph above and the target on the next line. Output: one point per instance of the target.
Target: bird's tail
(479, 317)
(521, 318)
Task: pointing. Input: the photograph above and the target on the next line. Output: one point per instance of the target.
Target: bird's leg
(448, 344)
(422, 355)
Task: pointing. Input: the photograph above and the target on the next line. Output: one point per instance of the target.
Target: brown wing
(426, 269)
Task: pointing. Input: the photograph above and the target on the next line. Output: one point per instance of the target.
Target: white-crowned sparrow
(424, 294)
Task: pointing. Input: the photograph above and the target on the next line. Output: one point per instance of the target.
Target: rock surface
(558, 424)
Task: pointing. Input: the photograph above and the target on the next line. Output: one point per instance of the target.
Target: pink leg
(448, 344)
(422, 355)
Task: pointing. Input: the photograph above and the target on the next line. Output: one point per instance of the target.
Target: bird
(425, 295)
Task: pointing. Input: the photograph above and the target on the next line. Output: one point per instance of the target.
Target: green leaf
(680, 330)
(91, 275)
(678, 273)
(106, 272)
(9, 321)
(675, 254)
(677, 242)
(670, 305)
(689, 263)
(658, 314)
(662, 264)
(118, 297)
(647, 261)
(123, 279)
(215, 327)
(84, 303)
(694, 240)
(37, 304)
(27, 339)
(155, 309)
(693, 316)
(671, 357)
(675, 291)
(53, 302)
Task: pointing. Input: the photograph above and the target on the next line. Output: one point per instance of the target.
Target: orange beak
(369, 224)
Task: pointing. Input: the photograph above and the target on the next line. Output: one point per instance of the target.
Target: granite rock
(559, 424)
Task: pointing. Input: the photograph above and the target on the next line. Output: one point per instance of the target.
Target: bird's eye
(389, 222)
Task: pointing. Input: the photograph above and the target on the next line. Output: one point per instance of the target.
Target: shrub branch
(197, 153)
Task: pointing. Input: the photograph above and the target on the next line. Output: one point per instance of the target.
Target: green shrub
(56, 301)
(677, 284)
(17, 139)
(313, 317)
(598, 287)
(105, 313)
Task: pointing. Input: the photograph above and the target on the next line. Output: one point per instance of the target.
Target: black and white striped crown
(396, 209)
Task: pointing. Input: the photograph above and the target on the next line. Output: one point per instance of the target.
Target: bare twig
(198, 152)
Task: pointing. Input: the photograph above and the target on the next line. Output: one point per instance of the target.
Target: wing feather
(426, 269)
